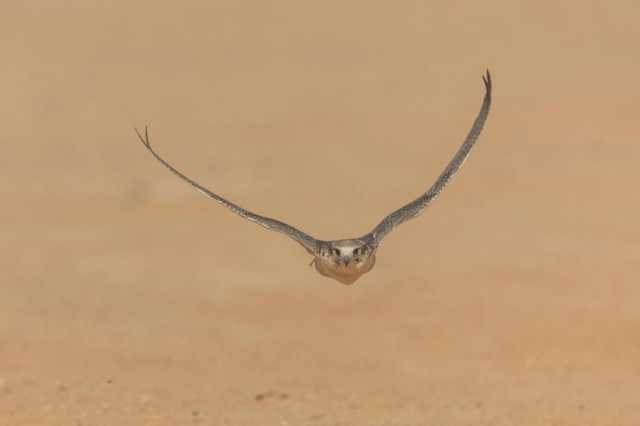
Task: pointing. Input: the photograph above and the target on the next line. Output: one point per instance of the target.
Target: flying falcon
(347, 260)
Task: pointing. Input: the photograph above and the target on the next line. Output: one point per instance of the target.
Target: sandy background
(126, 298)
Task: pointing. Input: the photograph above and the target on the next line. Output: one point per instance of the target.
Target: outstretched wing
(416, 207)
(308, 242)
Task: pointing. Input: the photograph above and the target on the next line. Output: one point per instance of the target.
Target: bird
(346, 260)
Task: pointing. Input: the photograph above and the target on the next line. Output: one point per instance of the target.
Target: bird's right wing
(307, 241)
(416, 207)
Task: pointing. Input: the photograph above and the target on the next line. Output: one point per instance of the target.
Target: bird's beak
(346, 261)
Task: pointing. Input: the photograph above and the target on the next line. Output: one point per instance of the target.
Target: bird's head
(345, 260)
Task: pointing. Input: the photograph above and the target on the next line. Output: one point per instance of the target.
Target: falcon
(347, 260)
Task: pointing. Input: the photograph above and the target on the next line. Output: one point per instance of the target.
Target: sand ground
(127, 298)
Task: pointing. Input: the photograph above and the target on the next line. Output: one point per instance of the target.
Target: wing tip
(144, 139)
(486, 78)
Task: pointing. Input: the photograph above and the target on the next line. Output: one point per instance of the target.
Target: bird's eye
(356, 251)
(336, 252)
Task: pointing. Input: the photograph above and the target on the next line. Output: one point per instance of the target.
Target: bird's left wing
(416, 207)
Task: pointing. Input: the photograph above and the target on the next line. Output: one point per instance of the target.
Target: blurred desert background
(127, 298)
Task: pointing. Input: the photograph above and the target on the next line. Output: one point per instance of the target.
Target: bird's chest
(345, 274)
